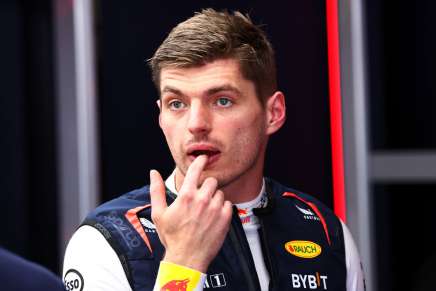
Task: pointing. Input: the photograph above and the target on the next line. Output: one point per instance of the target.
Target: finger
(227, 211)
(226, 215)
(218, 199)
(157, 194)
(193, 174)
(208, 188)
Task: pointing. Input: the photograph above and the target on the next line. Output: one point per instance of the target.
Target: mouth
(212, 153)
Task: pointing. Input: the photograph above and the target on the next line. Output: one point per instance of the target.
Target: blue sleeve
(18, 274)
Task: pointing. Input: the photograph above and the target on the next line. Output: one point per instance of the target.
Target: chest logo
(308, 214)
(303, 249)
(149, 226)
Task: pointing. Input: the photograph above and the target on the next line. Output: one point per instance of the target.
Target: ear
(275, 112)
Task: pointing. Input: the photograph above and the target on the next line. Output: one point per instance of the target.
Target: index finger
(193, 174)
(157, 193)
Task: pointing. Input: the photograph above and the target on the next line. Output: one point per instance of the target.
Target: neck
(243, 189)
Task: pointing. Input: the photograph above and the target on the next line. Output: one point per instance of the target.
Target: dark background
(402, 73)
(401, 61)
(28, 184)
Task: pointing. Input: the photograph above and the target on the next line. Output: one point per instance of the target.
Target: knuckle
(219, 194)
(210, 182)
(154, 217)
(186, 196)
(214, 205)
(203, 200)
(218, 199)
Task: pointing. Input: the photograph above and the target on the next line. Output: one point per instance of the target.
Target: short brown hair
(210, 35)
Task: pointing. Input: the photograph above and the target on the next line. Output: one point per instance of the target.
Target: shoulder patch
(73, 280)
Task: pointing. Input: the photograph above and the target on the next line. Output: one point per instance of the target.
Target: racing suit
(302, 245)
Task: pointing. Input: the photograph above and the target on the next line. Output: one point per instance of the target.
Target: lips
(210, 151)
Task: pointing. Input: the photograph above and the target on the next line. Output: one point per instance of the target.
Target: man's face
(213, 110)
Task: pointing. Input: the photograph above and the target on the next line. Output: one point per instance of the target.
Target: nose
(199, 119)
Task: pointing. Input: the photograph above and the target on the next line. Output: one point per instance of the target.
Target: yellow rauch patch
(303, 249)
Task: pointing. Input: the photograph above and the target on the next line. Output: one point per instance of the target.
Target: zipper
(260, 213)
(237, 241)
(267, 255)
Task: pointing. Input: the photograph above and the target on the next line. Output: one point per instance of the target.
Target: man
(18, 274)
(215, 222)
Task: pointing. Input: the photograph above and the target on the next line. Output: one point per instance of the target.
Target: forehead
(218, 73)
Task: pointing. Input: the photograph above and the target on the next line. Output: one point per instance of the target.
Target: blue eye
(176, 104)
(224, 102)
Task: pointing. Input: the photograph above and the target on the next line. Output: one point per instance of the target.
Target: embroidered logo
(309, 281)
(149, 226)
(308, 214)
(244, 215)
(303, 249)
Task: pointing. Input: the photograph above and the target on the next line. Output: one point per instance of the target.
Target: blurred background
(79, 120)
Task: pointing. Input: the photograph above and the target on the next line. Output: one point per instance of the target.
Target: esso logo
(73, 280)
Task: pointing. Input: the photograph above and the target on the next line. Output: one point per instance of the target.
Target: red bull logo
(176, 285)
(242, 212)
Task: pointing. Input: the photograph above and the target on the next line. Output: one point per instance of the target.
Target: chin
(225, 179)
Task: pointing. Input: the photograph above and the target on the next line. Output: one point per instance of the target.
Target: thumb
(157, 194)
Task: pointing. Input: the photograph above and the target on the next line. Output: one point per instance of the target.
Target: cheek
(170, 133)
(253, 124)
(246, 131)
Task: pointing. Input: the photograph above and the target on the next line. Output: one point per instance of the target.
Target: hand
(194, 226)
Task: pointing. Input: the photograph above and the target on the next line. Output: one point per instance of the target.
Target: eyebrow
(231, 88)
(210, 91)
(169, 89)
